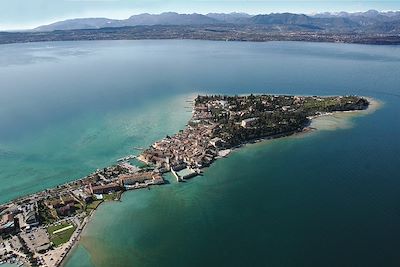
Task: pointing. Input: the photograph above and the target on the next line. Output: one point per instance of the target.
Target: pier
(126, 158)
(184, 174)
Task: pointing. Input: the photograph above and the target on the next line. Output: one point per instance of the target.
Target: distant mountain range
(371, 27)
(370, 21)
(168, 18)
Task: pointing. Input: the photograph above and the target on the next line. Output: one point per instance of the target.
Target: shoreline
(257, 35)
(73, 242)
(372, 107)
(341, 119)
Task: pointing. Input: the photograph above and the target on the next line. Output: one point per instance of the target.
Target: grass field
(93, 205)
(60, 234)
(110, 197)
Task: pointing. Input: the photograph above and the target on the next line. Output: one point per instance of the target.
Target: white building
(248, 122)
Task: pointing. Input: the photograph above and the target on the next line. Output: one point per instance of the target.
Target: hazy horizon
(22, 15)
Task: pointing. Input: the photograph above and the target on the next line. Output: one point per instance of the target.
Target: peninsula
(40, 229)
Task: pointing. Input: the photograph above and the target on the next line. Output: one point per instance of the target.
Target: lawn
(112, 196)
(60, 234)
(93, 205)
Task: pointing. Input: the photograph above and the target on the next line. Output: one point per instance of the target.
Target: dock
(126, 158)
(184, 174)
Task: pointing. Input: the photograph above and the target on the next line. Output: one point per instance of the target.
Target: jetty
(127, 158)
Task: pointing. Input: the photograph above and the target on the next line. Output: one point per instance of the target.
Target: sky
(27, 14)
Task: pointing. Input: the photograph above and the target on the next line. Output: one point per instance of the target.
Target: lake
(329, 198)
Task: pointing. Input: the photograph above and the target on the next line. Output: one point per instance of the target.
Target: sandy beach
(341, 119)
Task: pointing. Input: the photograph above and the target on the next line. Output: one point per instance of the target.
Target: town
(223, 32)
(40, 229)
(220, 123)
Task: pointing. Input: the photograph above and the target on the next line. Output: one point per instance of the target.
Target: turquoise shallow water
(326, 199)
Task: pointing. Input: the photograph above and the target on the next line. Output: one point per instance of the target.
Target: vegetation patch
(46, 216)
(61, 233)
(110, 197)
(93, 205)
